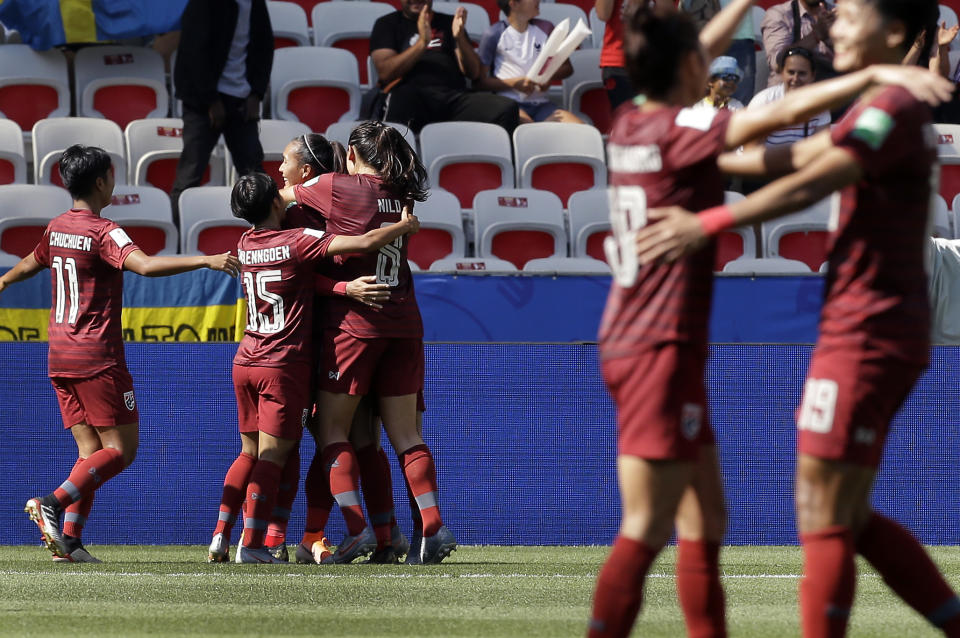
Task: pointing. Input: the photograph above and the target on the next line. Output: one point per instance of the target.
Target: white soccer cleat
(219, 551)
(260, 555)
(47, 518)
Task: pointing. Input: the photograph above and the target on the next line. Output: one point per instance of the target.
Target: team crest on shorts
(691, 419)
(129, 401)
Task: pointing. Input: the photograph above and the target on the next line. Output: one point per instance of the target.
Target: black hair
(916, 16)
(790, 52)
(253, 196)
(383, 148)
(81, 166)
(320, 153)
(655, 41)
(504, 6)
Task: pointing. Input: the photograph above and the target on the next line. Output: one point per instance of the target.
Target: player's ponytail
(320, 154)
(384, 149)
(655, 41)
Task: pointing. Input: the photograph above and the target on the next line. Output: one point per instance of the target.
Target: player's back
(662, 157)
(277, 277)
(354, 205)
(876, 293)
(85, 254)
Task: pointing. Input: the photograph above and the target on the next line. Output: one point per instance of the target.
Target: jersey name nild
(263, 255)
(66, 240)
(389, 206)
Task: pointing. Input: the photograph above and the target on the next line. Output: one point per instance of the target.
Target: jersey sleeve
(329, 287)
(382, 36)
(316, 193)
(697, 135)
(115, 245)
(884, 133)
(42, 252)
(312, 245)
(487, 51)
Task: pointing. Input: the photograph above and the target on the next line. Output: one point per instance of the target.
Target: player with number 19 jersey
(653, 336)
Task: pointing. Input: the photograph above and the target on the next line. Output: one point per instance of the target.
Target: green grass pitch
(513, 592)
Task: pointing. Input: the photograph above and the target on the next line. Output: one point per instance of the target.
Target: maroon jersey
(660, 158)
(277, 274)
(354, 205)
(876, 290)
(85, 255)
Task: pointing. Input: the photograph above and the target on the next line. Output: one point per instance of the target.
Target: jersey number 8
(388, 263)
(628, 214)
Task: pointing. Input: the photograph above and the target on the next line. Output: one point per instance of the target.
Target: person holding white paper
(508, 51)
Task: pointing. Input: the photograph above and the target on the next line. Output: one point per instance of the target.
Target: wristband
(340, 288)
(716, 220)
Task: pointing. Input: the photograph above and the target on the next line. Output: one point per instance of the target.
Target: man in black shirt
(431, 57)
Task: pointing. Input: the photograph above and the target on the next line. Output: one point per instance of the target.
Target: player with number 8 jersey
(86, 255)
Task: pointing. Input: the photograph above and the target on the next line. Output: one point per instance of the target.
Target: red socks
(261, 495)
(421, 474)
(88, 475)
(377, 491)
(234, 488)
(341, 462)
(286, 493)
(908, 571)
(319, 500)
(829, 581)
(75, 516)
(699, 588)
(619, 592)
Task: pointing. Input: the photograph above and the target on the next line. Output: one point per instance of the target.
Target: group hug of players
(333, 342)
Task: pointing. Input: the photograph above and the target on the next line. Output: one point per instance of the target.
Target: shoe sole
(33, 510)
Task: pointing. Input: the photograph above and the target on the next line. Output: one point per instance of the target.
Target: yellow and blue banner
(48, 23)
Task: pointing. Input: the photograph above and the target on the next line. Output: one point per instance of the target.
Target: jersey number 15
(256, 292)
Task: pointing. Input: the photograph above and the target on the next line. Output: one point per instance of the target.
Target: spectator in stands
(795, 69)
(508, 50)
(425, 59)
(743, 50)
(724, 79)
(612, 65)
(804, 23)
(223, 66)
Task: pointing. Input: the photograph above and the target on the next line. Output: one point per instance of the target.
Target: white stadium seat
(144, 211)
(289, 23)
(567, 266)
(13, 161)
(589, 213)
(519, 224)
(52, 136)
(33, 85)
(153, 150)
(206, 223)
(466, 157)
(340, 132)
(473, 266)
(121, 83)
(347, 26)
(27, 209)
(315, 85)
(562, 158)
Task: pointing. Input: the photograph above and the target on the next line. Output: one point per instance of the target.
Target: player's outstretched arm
(375, 239)
(802, 104)
(25, 268)
(143, 264)
(774, 161)
(716, 35)
(680, 232)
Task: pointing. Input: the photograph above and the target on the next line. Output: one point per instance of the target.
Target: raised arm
(376, 239)
(392, 65)
(143, 264)
(800, 105)
(717, 34)
(25, 268)
(467, 58)
(774, 161)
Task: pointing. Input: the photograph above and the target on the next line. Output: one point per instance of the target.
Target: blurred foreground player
(875, 322)
(86, 255)
(271, 370)
(653, 341)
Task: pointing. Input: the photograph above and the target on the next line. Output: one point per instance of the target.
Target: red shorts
(273, 400)
(103, 400)
(661, 403)
(849, 399)
(385, 367)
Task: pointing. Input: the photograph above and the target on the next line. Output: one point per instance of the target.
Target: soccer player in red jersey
(86, 255)
(653, 339)
(271, 371)
(874, 325)
(375, 352)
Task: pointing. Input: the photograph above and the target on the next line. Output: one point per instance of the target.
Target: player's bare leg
(701, 523)
(340, 459)
(231, 499)
(272, 453)
(650, 493)
(836, 521)
(118, 451)
(399, 416)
